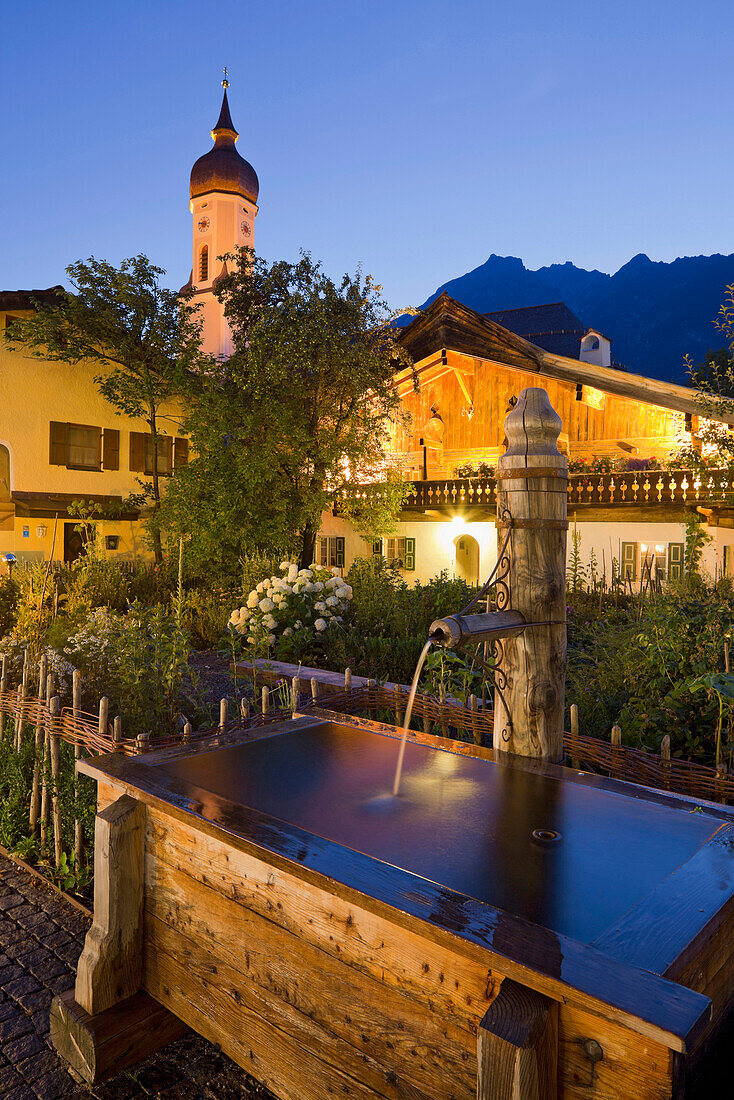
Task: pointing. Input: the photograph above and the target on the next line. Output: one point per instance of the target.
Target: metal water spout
(457, 630)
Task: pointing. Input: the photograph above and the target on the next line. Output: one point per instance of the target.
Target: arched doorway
(467, 558)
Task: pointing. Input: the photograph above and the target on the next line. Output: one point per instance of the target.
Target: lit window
(84, 447)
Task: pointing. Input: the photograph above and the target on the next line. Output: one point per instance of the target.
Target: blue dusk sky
(415, 138)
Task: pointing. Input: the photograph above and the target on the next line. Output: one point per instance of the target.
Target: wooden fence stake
(665, 761)
(371, 698)
(4, 674)
(186, 738)
(38, 755)
(295, 692)
(265, 696)
(616, 746)
(44, 761)
(104, 718)
(117, 734)
(726, 656)
(143, 742)
(315, 690)
(442, 701)
(222, 715)
(426, 716)
(476, 732)
(398, 706)
(76, 697)
(18, 734)
(348, 680)
(245, 709)
(54, 739)
(575, 761)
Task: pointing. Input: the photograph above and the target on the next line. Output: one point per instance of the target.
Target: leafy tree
(141, 337)
(299, 414)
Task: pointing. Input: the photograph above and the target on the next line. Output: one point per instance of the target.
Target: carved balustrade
(715, 487)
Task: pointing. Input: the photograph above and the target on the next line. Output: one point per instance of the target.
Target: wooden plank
(518, 1047)
(98, 1047)
(459, 989)
(659, 929)
(281, 1047)
(110, 965)
(308, 991)
(630, 1065)
(536, 957)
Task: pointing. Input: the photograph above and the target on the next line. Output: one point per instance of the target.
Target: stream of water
(408, 712)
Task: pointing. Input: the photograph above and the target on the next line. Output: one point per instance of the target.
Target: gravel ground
(41, 938)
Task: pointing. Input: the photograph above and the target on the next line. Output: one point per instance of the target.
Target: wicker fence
(39, 716)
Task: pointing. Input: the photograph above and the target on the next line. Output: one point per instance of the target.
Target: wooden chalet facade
(467, 371)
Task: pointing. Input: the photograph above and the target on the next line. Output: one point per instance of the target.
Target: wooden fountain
(506, 928)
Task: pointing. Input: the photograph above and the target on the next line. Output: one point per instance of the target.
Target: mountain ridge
(655, 312)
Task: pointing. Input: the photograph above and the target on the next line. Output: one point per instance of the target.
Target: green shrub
(9, 593)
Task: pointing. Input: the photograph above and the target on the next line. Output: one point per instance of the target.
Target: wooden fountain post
(532, 479)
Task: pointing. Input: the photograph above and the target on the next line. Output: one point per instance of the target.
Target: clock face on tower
(203, 225)
(245, 227)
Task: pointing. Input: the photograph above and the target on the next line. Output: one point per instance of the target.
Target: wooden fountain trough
(506, 928)
(500, 930)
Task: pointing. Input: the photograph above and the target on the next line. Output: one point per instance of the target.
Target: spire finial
(225, 82)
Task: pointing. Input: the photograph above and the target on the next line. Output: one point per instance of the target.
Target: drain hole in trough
(545, 836)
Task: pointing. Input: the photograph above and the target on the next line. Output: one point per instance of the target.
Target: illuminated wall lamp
(41, 530)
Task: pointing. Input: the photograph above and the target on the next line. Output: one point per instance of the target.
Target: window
(398, 551)
(629, 561)
(141, 453)
(204, 263)
(331, 551)
(653, 561)
(76, 446)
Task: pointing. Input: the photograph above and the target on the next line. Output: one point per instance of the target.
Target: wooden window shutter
(165, 460)
(323, 551)
(180, 451)
(377, 546)
(138, 445)
(675, 560)
(629, 561)
(58, 450)
(111, 449)
(409, 560)
(340, 551)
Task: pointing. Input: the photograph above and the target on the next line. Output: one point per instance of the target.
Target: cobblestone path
(41, 938)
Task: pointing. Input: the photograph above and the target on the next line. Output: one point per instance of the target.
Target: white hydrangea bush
(299, 601)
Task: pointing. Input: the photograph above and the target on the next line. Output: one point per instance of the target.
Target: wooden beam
(97, 1047)
(517, 1046)
(111, 964)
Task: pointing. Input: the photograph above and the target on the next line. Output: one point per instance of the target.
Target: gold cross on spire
(225, 82)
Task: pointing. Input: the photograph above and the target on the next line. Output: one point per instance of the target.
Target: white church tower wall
(223, 201)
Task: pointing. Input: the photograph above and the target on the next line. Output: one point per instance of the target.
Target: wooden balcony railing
(618, 488)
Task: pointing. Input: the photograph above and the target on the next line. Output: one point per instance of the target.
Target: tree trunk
(155, 533)
(308, 546)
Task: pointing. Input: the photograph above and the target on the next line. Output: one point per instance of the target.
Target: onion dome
(222, 168)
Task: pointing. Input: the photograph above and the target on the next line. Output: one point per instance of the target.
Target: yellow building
(60, 440)
(468, 368)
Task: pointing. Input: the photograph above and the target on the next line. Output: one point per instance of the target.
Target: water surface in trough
(462, 822)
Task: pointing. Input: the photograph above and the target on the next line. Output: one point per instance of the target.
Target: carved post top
(532, 429)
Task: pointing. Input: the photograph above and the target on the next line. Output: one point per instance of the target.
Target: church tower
(223, 199)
